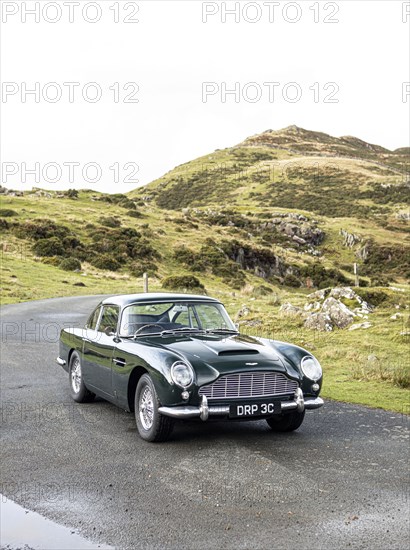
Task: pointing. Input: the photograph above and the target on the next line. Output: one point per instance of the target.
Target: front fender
(292, 356)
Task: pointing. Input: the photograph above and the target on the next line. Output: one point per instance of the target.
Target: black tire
(78, 390)
(287, 422)
(151, 425)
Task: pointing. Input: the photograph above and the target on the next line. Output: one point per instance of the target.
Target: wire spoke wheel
(76, 375)
(146, 408)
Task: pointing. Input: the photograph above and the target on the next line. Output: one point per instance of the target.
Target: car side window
(93, 319)
(109, 318)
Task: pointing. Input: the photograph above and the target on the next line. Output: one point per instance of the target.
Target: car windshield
(155, 318)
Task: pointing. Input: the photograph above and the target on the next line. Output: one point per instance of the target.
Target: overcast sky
(164, 79)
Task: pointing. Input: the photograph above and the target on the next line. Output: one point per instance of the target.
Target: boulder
(319, 321)
(366, 324)
(340, 314)
(291, 310)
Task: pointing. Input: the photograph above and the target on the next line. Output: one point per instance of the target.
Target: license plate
(244, 410)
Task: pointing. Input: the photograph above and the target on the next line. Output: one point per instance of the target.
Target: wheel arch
(133, 380)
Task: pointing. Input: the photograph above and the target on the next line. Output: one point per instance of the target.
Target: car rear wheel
(78, 390)
(151, 425)
(287, 422)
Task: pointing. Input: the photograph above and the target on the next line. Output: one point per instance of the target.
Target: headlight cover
(182, 374)
(311, 368)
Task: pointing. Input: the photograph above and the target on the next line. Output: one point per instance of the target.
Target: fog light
(185, 395)
(315, 387)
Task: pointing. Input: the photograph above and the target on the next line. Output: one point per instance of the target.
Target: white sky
(170, 53)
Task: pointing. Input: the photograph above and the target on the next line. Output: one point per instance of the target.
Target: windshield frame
(229, 324)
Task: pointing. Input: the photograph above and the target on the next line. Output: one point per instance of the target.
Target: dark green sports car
(177, 356)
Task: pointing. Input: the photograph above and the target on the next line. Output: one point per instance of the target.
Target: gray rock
(319, 321)
(288, 309)
(340, 315)
(366, 324)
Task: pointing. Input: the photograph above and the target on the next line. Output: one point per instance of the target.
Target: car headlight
(182, 374)
(311, 368)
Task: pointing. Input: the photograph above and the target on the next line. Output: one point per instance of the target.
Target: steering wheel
(146, 326)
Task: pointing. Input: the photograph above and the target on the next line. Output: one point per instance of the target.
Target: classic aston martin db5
(178, 356)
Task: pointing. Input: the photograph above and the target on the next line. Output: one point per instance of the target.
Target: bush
(4, 224)
(70, 264)
(110, 221)
(71, 194)
(49, 247)
(134, 214)
(262, 290)
(372, 297)
(7, 213)
(41, 229)
(139, 268)
(52, 260)
(322, 277)
(291, 280)
(183, 282)
(105, 261)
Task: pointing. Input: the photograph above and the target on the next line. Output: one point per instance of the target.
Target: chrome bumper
(204, 411)
(60, 361)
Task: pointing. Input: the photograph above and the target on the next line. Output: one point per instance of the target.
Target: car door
(98, 351)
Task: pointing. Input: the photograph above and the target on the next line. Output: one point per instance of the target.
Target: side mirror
(237, 326)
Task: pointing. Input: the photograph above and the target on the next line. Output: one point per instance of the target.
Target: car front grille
(249, 384)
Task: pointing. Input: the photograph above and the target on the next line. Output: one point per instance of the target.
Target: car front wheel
(287, 422)
(78, 390)
(151, 425)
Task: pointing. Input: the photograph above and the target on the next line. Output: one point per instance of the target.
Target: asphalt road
(340, 481)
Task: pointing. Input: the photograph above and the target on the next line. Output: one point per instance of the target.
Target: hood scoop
(238, 352)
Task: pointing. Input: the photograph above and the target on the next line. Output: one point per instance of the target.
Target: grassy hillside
(259, 224)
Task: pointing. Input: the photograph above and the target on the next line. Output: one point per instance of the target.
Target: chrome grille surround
(249, 384)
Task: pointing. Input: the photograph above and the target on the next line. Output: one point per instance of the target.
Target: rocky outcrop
(296, 227)
(335, 308)
(350, 239)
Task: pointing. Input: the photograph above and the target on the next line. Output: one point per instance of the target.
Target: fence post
(356, 274)
(145, 281)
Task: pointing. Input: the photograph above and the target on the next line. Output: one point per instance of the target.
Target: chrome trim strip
(60, 361)
(192, 412)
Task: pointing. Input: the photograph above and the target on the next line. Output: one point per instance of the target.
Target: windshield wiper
(182, 330)
(222, 330)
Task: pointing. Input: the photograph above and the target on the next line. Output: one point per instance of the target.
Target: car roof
(150, 297)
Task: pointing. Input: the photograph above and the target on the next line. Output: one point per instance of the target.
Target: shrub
(105, 261)
(183, 282)
(70, 264)
(110, 221)
(49, 247)
(291, 280)
(139, 268)
(4, 224)
(322, 277)
(41, 229)
(71, 194)
(134, 213)
(52, 260)
(262, 290)
(372, 297)
(7, 213)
